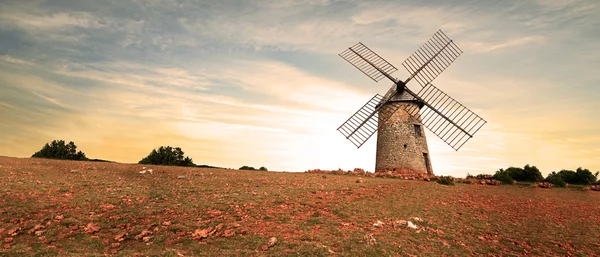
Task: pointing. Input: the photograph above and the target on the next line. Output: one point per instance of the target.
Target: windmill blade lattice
(368, 62)
(431, 59)
(365, 122)
(451, 121)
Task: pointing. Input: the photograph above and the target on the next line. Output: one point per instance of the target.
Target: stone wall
(399, 148)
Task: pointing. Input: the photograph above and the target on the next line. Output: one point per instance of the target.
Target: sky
(259, 83)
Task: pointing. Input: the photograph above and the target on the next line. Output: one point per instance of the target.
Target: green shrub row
(530, 173)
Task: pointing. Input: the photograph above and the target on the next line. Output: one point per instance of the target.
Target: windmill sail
(431, 59)
(365, 122)
(448, 119)
(368, 62)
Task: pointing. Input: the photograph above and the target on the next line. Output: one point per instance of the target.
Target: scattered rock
(200, 233)
(595, 188)
(75, 171)
(59, 217)
(229, 233)
(264, 247)
(146, 239)
(36, 228)
(13, 232)
(6, 246)
(144, 171)
(39, 233)
(417, 219)
(145, 233)
(545, 185)
(272, 242)
(492, 182)
(399, 224)
(324, 176)
(115, 245)
(358, 180)
(166, 223)
(181, 177)
(120, 237)
(378, 224)
(91, 228)
(369, 239)
(8, 239)
(411, 225)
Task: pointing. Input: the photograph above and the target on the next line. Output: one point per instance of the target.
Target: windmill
(398, 116)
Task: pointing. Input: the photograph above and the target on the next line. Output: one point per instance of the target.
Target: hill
(71, 208)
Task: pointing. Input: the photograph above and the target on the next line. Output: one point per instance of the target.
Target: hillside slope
(67, 208)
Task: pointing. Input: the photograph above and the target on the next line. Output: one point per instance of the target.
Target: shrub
(247, 168)
(470, 176)
(58, 149)
(167, 155)
(446, 180)
(504, 177)
(555, 179)
(579, 177)
(263, 168)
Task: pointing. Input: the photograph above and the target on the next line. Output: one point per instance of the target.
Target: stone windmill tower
(400, 115)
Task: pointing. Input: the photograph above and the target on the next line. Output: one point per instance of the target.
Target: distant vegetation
(445, 180)
(580, 176)
(58, 149)
(167, 155)
(252, 168)
(530, 173)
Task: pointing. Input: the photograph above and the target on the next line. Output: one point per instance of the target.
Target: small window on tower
(418, 130)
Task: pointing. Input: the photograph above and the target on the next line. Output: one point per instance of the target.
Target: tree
(263, 168)
(504, 177)
(167, 155)
(528, 173)
(247, 168)
(580, 176)
(555, 179)
(58, 149)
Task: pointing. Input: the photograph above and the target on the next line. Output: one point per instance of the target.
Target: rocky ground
(69, 208)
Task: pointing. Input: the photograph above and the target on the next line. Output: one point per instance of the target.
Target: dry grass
(309, 214)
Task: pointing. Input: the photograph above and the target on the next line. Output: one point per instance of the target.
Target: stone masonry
(399, 148)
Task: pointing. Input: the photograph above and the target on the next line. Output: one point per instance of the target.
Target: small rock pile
(479, 180)
(543, 185)
(403, 174)
(595, 188)
(356, 171)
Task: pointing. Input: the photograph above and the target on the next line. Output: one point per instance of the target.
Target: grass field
(70, 208)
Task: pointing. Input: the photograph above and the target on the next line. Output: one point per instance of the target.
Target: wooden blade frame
(431, 59)
(367, 61)
(445, 117)
(364, 123)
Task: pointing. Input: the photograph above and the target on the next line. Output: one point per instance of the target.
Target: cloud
(12, 60)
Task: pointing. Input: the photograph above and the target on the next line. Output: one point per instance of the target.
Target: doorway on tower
(427, 163)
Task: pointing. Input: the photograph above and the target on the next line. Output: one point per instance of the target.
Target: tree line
(164, 155)
(530, 173)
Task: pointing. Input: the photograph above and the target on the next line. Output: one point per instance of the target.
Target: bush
(58, 149)
(579, 177)
(556, 180)
(525, 174)
(263, 168)
(167, 155)
(247, 168)
(446, 180)
(504, 177)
